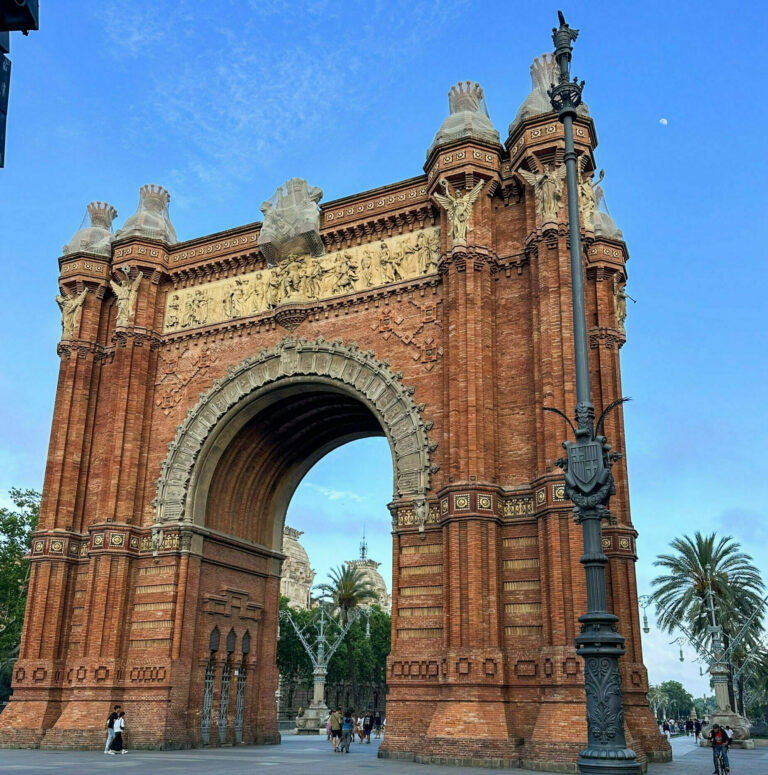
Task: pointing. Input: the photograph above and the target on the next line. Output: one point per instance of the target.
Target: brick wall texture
(487, 585)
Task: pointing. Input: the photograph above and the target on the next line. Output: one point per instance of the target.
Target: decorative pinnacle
(154, 192)
(465, 95)
(101, 214)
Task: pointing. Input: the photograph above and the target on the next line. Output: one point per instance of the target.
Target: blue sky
(221, 102)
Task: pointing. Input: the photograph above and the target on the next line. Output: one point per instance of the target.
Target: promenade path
(311, 756)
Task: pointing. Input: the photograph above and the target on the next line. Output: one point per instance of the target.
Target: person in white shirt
(117, 744)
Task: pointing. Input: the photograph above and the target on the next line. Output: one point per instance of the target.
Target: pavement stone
(312, 756)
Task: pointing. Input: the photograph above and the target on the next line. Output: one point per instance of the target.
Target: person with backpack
(111, 718)
(117, 743)
(347, 730)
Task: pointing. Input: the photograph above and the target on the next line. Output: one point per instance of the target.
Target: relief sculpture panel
(305, 278)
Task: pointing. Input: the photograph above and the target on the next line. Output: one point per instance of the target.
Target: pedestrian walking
(113, 716)
(367, 727)
(697, 730)
(377, 725)
(336, 729)
(118, 744)
(347, 730)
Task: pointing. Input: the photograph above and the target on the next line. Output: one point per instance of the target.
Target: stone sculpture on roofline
(151, 218)
(291, 222)
(97, 236)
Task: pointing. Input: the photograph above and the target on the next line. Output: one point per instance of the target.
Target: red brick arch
(351, 394)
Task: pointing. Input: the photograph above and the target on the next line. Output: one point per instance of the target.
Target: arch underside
(260, 468)
(245, 446)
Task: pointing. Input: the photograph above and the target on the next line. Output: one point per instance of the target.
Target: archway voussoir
(359, 372)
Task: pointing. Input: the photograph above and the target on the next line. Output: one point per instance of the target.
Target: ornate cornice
(139, 336)
(81, 348)
(610, 338)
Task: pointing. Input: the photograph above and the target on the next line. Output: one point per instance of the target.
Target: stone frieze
(304, 278)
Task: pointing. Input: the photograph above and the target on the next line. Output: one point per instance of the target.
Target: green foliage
(697, 565)
(348, 588)
(679, 700)
(16, 526)
(369, 655)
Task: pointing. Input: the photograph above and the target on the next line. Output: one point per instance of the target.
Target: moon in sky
(663, 121)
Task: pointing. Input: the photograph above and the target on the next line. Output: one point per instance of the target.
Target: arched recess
(256, 398)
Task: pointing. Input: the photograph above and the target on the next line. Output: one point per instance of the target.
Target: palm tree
(697, 565)
(348, 589)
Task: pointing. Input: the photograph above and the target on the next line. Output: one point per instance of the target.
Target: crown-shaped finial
(155, 193)
(101, 214)
(544, 71)
(466, 95)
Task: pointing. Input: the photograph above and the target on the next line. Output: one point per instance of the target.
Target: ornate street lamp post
(589, 482)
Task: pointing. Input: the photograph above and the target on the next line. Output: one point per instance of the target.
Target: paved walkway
(312, 756)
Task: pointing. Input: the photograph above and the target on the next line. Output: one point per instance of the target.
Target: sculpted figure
(387, 264)
(234, 301)
(272, 295)
(620, 297)
(195, 310)
(258, 293)
(291, 278)
(313, 279)
(126, 292)
(421, 253)
(172, 319)
(364, 272)
(71, 307)
(344, 274)
(547, 187)
(587, 188)
(433, 248)
(458, 206)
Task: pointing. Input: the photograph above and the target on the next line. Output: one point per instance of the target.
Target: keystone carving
(359, 373)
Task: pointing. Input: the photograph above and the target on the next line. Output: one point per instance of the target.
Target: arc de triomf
(201, 380)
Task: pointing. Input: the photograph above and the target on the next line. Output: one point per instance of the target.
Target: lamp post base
(611, 761)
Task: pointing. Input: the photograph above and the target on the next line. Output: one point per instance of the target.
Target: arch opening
(252, 469)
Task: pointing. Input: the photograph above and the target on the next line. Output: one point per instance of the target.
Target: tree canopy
(17, 524)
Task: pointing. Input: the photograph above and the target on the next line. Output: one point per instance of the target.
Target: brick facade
(487, 583)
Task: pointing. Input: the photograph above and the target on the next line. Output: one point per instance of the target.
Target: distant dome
(369, 569)
(297, 576)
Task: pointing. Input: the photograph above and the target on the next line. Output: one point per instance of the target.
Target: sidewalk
(313, 755)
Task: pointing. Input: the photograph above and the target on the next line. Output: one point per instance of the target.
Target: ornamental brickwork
(198, 384)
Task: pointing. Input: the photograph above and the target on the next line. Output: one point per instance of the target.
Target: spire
(363, 547)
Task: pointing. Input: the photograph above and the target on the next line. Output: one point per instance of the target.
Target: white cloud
(230, 87)
(337, 495)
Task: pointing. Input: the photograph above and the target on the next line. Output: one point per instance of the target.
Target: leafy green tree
(696, 566)
(348, 589)
(679, 701)
(16, 526)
